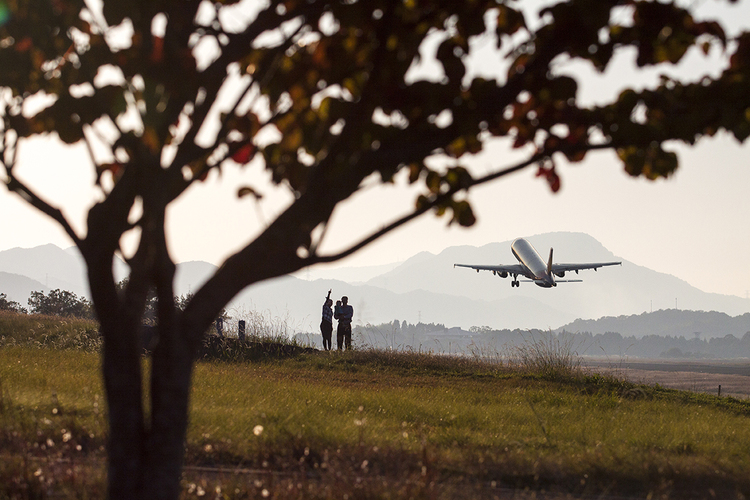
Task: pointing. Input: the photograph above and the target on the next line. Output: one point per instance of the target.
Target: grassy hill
(373, 424)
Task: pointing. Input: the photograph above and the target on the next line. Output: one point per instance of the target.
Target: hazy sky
(694, 225)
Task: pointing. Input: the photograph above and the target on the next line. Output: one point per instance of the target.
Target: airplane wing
(560, 268)
(502, 268)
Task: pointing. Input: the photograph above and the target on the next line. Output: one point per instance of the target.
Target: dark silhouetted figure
(326, 324)
(344, 329)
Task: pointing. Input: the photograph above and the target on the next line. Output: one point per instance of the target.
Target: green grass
(581, 435)
(373, 424)
(52, 423)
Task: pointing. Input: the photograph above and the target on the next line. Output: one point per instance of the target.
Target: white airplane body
(531, 266)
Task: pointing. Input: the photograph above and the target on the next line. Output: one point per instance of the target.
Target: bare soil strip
(696, 376)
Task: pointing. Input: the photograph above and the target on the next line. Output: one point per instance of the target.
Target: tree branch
(37, 202)
(212, 80)
(437, 200)
(417, 212)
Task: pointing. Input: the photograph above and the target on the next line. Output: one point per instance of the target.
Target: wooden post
(241, 330)
(220, 326)
(719, 390)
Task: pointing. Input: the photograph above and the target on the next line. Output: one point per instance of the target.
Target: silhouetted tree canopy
(60, 303)
(10, 305)
(162, 92)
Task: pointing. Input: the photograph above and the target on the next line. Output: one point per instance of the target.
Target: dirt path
(696, 376)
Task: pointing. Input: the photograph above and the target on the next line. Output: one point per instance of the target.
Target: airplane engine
(502, 274)
(561, 274)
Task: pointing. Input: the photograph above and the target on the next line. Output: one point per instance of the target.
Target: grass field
(369, 424)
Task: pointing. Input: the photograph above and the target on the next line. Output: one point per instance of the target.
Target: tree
(328, 83)
(10, 305)
(60, 303)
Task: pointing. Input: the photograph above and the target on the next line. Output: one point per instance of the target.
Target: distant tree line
(614, 344)
(55, 303)
(485, 340)
(63, 303)
(667, 322)
(394, 334)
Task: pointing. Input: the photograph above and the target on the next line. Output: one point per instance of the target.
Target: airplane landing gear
(514, 283)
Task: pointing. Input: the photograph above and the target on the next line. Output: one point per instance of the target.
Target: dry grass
(374, 424)
(41, 331)
(548, 355)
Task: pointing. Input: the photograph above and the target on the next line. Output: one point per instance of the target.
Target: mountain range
(424, 288)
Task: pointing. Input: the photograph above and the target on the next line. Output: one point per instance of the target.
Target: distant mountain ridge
(666, 323)
(18, 288)
(51, 267)
(48, 265)
(425, 288)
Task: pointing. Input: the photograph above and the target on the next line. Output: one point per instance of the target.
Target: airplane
(533, 267)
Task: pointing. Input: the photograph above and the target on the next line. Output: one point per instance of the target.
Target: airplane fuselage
(527, 255)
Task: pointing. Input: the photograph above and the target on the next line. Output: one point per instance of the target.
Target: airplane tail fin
(549, 263)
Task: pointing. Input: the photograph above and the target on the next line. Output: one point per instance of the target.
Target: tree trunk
(171, 368)
(165, 447)
(145, 448)
(119, 321)
(122, 380)
(145, 462)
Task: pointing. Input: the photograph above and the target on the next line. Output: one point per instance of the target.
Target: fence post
(719, 390)
(220, 326)
(241, 329)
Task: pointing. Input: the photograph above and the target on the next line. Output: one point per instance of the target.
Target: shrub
(550, 356)
(61, 303)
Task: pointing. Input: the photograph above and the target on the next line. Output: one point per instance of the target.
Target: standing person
(344, 329)
(337, 310)
(326, 324)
